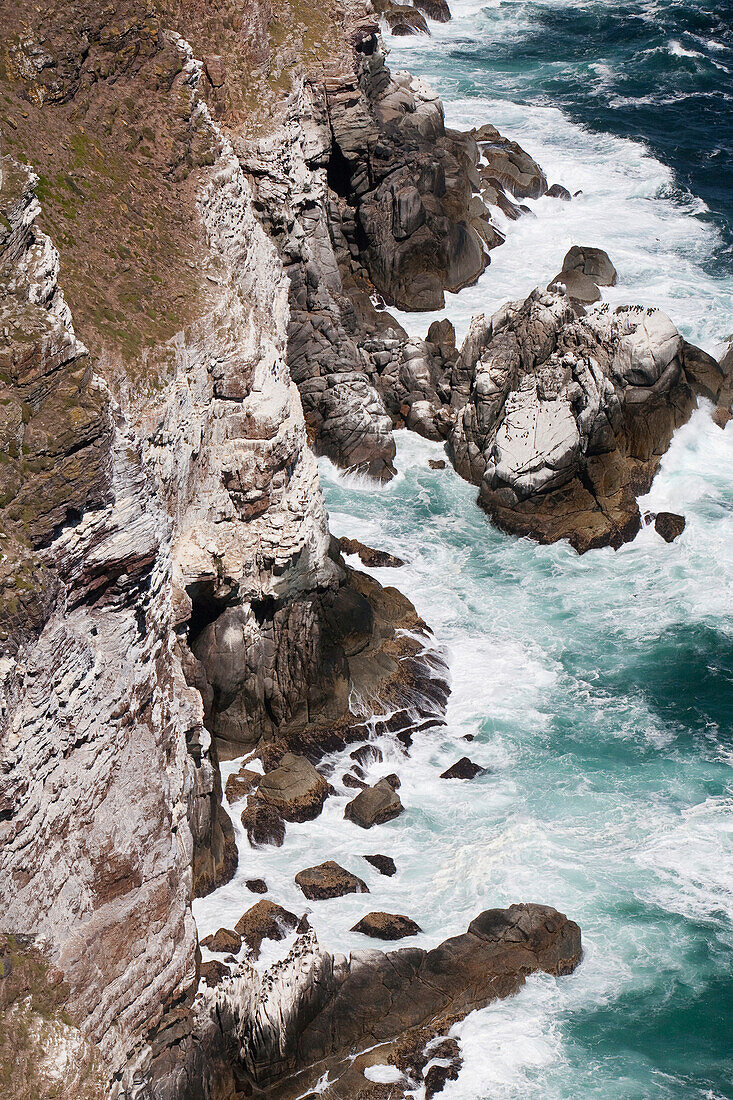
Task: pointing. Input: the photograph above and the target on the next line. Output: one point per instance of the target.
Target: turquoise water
(600, 694)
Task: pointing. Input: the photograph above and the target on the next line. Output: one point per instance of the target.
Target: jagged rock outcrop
(313, 1012)
(569, 412)
(370, 198)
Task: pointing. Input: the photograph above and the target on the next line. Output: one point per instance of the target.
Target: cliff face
(95, 857)
(169, 588)
(169, 591)
(129, 525)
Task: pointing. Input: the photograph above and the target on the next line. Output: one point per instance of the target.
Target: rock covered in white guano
(569, 411)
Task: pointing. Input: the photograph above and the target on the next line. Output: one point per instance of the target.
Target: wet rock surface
(223, 942)
(369, 556)
(384, 864)
(669, 525)
(264, 921)
(374, 806)
(329, 880)
(463, 769)
(386, 926)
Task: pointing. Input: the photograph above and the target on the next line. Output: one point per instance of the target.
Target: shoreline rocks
(569, 412)
(386, 926)
(329, 880)
(374, 806)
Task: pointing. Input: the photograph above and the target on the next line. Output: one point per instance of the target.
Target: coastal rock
(592, 262)
(434, 9)
(557, 191)
(240, 785)
(369, 556)
(386, 926)
(669, 525)
(294, 789)
(402, 19)
(384, 864)
(366, 755)
(213, 972)
(374, 806)
(256, 885)
(353, 781)
(380, 998)
(462, 769)
(569, 412)
(328, 880)
(264, 921)
(224, 942)
(264, 823)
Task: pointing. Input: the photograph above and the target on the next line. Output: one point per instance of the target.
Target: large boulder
(374, 806)
(224, 942)
(329, 880)
(583, 271)
(294, 789)
(264, 921)
(568, 411)
(387, 926)
(669, 525)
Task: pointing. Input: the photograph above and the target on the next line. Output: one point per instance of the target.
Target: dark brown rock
(329, 880)
(241, 784)
(384, 864)
(370, 557)
(374, 806)
(437, 10)
(223, 941)
(557, 191)
(353, 781)
(669, 525)
(213, 972)
(462, 769)
(436, 463)
(387, 926)
(263, 823)
(264, 921)
(394, 781)
(256, 885)
(592, 262)
(367, 754)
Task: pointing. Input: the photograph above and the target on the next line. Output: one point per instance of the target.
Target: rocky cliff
(170, 592)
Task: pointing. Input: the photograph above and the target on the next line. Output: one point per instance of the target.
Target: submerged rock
(329, 880)
(374, 806)
(387, 926)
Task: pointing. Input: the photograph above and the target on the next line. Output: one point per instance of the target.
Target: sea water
(597, 690)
